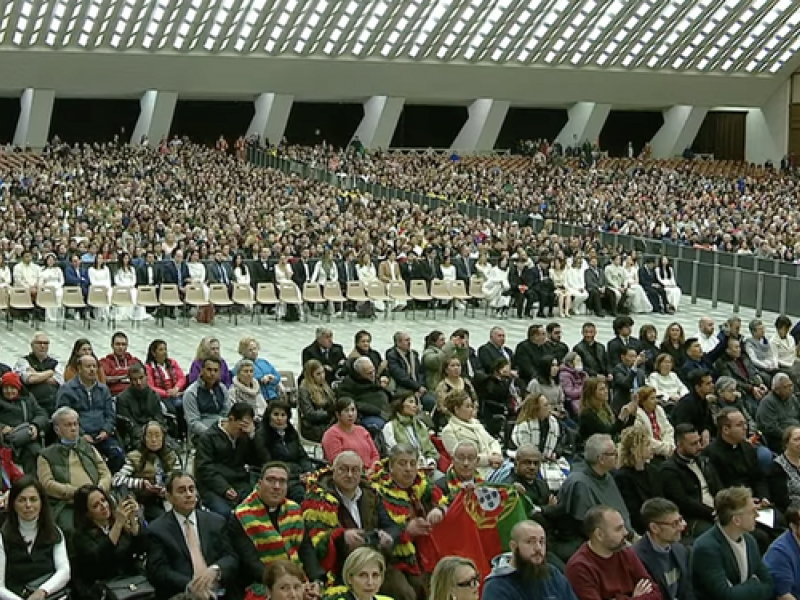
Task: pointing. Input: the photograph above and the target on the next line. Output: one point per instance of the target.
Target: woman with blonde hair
(265, 373)
(246, 389)
(363, 574)
(596, 414)
(652, 419)
(210, 347)
(637, 479)
(315, 398)
(464, 426)
(455, 578)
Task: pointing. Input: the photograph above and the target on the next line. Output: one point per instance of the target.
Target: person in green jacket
(405, 427)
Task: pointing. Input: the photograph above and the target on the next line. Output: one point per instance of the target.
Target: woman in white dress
(665, 274)
(638, 298)
(197, 271)
(483, 266)
(616, 278)
(125, 277)
(495, 285)
(52, 276)
(367, 275)
(5, 272)
(558, 275)
(574, 283)
(241, 273)
(99, 275)
(283, 275)
(325, 271)
(448, 270)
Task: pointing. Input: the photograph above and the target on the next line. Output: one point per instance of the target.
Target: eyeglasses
(470, 583)
(676, 523)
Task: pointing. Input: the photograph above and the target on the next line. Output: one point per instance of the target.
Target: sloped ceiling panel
(701, 36)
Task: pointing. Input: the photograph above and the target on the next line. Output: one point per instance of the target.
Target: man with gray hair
(323, 349)
(371, 400)
(761, 353)
(343, 512)
(589, 484)
(406, 370)
(68, 464)
(463, 471)
(778, 410)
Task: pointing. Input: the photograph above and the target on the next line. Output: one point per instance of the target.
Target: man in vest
(68, 464)
(342, 512)
(267, 526)
(40, 372)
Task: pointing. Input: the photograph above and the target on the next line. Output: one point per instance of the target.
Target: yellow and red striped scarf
(272, 544)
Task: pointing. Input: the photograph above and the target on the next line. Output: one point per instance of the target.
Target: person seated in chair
(22, 422)
(463, 471)
(137, 406)
(371, 399)
(328, 353)
(93, 402)
(68, 464)
(224, 453)
(188, 548)
(206, 400)
(267, 527)
(342, 512)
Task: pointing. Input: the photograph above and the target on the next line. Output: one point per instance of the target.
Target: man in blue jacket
(661, 551)
(528, 576)
(95, 407)
(783, 557)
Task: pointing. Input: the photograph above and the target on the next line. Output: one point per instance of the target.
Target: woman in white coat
(325, 271)
(100, 275)
(638, 298)
(463, 426)
(52, 276)
(652, 419)
(125, 277)
(367, 275)
(496, 285)
(665, 274)
(197, 271)
(574, 283)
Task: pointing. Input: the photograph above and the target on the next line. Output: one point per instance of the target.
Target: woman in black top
(637, 478)
(648, 338)
(673, 342)
(36, 562)
(105, 545)
(596, 414)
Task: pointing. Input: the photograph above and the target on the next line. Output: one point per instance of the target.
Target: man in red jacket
(606, 566)
(116, 365)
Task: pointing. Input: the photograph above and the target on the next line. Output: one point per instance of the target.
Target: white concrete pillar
(272, 115)
(479, 133)
(681, 124)
(586, 120)
(156, 109)
(377, 126)
(33, 125)
(767, 128)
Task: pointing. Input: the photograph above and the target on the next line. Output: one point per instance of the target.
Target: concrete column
(33, 125)
(479, 133)
(272, 115)
(681, 124)
(381, 114)
(155, 116)
(767, 128)
(586, 120)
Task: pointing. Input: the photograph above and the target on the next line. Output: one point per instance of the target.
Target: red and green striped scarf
(270, 544)
(455, 484)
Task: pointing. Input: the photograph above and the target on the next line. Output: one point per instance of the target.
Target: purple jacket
(225, 376)
(572, 382)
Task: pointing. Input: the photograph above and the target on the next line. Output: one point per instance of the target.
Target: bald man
(527, 576)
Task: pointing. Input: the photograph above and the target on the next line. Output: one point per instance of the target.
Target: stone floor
(281, 343)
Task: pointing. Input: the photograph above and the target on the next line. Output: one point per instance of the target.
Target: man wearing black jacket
(262, 270)
(593, 354)
(324, 350)
(523, 280)
(493, 349)
(694, 408)
(149, 273)
(623, 339)
(693, 482)
(530, 352)
(371, 400)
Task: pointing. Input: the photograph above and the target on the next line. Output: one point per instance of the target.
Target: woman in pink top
(346, 435)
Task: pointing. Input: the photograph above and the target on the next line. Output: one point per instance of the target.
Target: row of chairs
(167, 297)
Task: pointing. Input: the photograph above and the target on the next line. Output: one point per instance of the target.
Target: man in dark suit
(529, 353)
(654, 290)
(661, 551)
(427, 268)
(465, 267)
(323, 349)
(75, 275)
(623, 338)
(593, 354)
(189, 549)
(347, 269)
(302, 270)
(220, 271)
(719, 573)
(493, 349)
(600, 295)
(406, 370)
(262, 270)
(149, 273)
(545, 288)
(628, 376)
(523, 281)
(176, 272)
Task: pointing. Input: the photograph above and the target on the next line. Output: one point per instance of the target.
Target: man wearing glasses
(661, 551)
(342, 512)
(40, 372)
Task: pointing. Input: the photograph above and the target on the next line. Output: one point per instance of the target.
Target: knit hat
(11, 379)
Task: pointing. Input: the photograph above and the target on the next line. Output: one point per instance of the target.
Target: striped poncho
(400, 503)
(272, 544)
(455, 484)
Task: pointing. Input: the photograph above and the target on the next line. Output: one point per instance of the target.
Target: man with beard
(605, 566)
(528, 576)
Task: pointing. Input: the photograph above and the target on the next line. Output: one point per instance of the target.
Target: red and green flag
(478, 524)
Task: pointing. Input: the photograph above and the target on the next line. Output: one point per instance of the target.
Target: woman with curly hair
(637, 479)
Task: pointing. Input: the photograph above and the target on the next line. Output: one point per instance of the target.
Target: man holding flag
(463, 472)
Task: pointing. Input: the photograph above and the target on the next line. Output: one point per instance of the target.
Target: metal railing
(763, 284)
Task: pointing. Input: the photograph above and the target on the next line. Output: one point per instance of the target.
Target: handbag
(132, 587)
(34, 585)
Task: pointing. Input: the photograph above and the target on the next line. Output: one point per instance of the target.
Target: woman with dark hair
(362, 346)
(405, 427)
(665, 275)
(315, 397)
(546, 383)
(164, 375)
(432, 358)
(240, 271)
(596, 414)
(33, 552)
(147, 468)
(278, 440)
(106, 543)
(81, 347)
(673, 342)
(648, 338)
(501, 398)
(344, 434)
(100, 276)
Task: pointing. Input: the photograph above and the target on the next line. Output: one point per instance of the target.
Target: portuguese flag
(478, 524)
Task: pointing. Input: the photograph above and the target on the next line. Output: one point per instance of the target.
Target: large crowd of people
(627, 451)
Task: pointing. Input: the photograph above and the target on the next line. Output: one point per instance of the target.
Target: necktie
(180, 278)
(223, 275)
(325, 354)
(196, 554)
